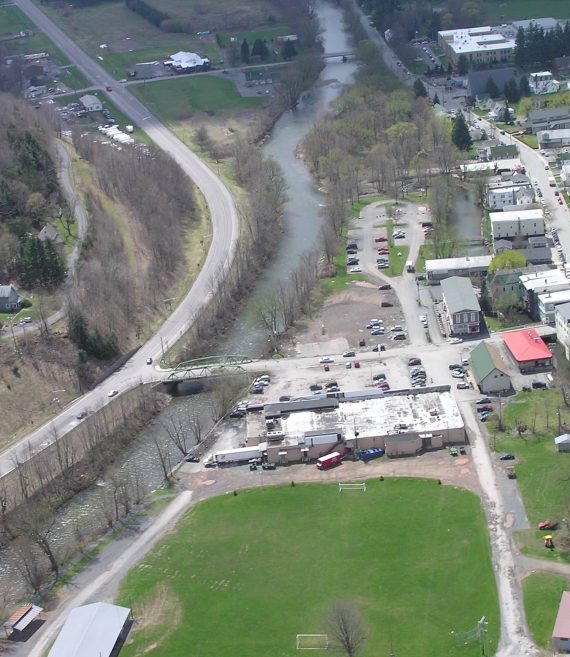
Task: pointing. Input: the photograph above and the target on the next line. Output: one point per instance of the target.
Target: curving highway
(225, 233)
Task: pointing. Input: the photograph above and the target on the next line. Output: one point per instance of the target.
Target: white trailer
(240, 454)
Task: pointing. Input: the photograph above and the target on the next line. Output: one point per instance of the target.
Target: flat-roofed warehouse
(403, 424)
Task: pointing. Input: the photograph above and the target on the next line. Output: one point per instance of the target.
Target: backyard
(245, 574)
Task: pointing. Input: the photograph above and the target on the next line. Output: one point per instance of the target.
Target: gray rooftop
(90, 631)
(458, 295)
(548, 114)
(5, 291)
(563, 309)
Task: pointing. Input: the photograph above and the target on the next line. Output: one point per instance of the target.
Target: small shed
(91, 103)
(561, 631)
(21, 618)
(562, 443)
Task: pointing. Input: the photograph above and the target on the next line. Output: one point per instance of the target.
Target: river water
(139, 464)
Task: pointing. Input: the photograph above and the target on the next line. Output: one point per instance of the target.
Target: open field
(265, 35)
(12, 20)
(523, 9)
(177, 99)
(74, 79)
(542, 593)
(244, 574)
(542, 472)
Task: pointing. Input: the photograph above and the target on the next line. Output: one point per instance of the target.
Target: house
(10, 300)
(553, 138)
(561, 631)
(537, 283)
(535, 250)
(489, 369)
(437, 270)
(494, 150)
(562, 324)
(509, 192)
(48, 232)
(562, 444)
(528, 350)
(505, 281)
(493, 167)
(547, 304)
(543, 83)
(552, 118)
(94, 630)
(518, 223)
(91, 103)
(461, 305)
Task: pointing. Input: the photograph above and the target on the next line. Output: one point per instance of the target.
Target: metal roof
(90, 631)
(484, 359)
(562, 626)
(5, 291)
(458, 295)
(465, 262)
(563, 309)
(526, 345)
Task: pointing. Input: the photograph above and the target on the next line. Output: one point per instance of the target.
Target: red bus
(329, 461)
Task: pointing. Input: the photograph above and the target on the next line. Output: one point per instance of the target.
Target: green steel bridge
(202, 368)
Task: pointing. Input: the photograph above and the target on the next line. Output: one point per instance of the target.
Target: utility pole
(482, 624)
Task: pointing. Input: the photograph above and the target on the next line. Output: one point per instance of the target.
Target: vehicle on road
(329, 461)
(355, 270)
(410, 267)
(455, 340)
(463, 386)
(326, 359)
(559, 199)
(507, 457)
(112, 393)
(386, 304)
(109, 88)
(149, 361)
(81, 415)
(385, 286)
(349, 354)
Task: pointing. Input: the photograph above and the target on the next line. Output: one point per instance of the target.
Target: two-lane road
(225, 233)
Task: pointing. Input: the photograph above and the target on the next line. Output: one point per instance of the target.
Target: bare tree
(163, 458)
(345, 626)
(28, 564)
(196, 428)
(177, 434)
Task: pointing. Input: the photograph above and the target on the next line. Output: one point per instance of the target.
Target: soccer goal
(361, 487)
(312, 641)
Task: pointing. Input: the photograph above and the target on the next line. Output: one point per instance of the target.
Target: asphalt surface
(225, 232)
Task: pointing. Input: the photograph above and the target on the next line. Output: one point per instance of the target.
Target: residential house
(561, 631)
(437, 270)
(516, 224)
(537, 283)
(535, 250)
(552, 118)
(547, 303)
(528, 350)
(562, 444)
(506, 192)
(543, 83)
(10, 300)
(48, 232)
(461, 305)
(554, 138)
(489, 369)
(91, 103)
(493, 150)
(562, 324)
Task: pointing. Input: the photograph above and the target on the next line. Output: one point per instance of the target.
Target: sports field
(243, 575)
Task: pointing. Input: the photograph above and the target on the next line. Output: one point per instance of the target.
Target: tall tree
(491, 87)
(436, 100)
(288, 51)
(259, 49)
(524, 87)
(244, 51)
(462, 64)
(460, 133)
(345, 626)
(420, 89)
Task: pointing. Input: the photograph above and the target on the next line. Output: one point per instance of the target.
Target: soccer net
(361, 487)
(312, 641)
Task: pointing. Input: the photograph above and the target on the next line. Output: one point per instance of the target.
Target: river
(139, 465)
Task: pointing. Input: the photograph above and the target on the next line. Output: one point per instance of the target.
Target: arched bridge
(207, 367)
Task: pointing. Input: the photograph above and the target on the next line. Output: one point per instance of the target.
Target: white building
(187, 62)
(548, 302)
(437, 270)
(543, 83)
(562, 324)
(505, 193)
(565, 173)
(480, 45)
(523, 223)
(494, 166)
(541, 282)
(91, 103)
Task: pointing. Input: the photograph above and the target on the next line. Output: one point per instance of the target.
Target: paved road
(225, 232)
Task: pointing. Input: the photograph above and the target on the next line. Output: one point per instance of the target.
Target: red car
(381, 239)
(547, 524)
(485, 409)
(383, 386)
(559, 199)
(386, 286)
(383, 251)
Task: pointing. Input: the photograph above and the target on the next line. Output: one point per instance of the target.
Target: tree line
(534, 45)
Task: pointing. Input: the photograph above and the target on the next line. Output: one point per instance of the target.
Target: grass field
(265, 35)
(177, 99)
(243, 575)
(523, 9)
(12, 20)
(74, 79)
(541, 471)
(542, 593)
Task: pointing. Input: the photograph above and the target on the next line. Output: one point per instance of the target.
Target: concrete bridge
(343, 54)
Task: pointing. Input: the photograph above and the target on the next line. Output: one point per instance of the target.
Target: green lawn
(523, 9)
(245, 574)
(542, 472)
(74, 79)
(397, 262)
(357, 207)
(542, 593)
(12, 20)
(265, 35)
(176, 100)
(529, 140)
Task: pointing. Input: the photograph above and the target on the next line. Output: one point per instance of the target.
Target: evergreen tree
(259, 49)
(462, 65)
(288, 51)
(491, 88)
(460, 133)
(420, 89)
(505, 115)
(449, 68)
(244, 52)
(524, 87)
(436, 100)
(520, 47)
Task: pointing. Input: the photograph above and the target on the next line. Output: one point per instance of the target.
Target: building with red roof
(561, 631)
(528, 350)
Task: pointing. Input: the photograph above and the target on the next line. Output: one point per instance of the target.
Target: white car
(355, 270)
(326, 359)
(112, 393)
(458, 375)
(455, 340)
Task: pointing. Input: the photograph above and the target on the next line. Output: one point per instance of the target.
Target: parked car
(377, 331)
(331, 384)
(507, 457)
(462, 450)
(385, 286)
(399, 336)
(268, 466)
(326, 359)
(349, 354)
(457, 375)
(453, 451)
(414, 360)
(190, 458)
(149, 361)
(357, 364)
(348, 365)
(463, 386)
(379, 377)
(483, 400)
(386, 304)
(315, 386)
(355, 270)
(455, 367)
(485, 409)
(112, 393)
(539, 384)
(381, 239)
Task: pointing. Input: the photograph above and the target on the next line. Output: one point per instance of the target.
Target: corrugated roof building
(561, 631)
(489, 369)
(528, 350)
